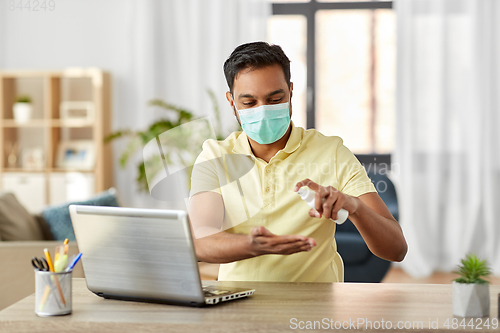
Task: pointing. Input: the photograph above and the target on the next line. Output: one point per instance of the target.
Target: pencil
(46, 294)
(51, 267)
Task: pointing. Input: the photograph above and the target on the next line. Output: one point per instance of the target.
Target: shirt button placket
(268, 189)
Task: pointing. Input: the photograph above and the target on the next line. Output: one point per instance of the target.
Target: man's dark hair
(255, 55)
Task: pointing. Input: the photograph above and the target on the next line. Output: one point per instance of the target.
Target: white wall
(171, 49)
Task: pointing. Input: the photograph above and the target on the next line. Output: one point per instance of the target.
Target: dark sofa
(360, 265)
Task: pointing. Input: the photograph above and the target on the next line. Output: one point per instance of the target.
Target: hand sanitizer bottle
(308, 197)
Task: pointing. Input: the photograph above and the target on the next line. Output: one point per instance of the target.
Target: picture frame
(77, 110)
(76, 155)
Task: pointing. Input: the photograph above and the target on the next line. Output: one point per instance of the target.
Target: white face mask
(266, 123)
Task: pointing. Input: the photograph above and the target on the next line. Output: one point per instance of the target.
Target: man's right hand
(265, 242)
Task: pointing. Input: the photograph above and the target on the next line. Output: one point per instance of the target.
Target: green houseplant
(471, 293)
(22, 109)
(181, 148)
(23, 99)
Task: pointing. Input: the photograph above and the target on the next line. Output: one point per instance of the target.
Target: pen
(74, 262)
(51, 267)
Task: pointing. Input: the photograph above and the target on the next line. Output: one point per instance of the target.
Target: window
(343, 68)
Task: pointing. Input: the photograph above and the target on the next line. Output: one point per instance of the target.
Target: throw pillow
(47, 234)
(59, 220)
(16, 224)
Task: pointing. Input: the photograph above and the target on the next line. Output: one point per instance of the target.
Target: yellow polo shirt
(256, 193)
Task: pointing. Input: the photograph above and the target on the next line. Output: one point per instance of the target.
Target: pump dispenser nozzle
(308, 197)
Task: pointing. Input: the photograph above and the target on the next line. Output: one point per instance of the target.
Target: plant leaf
(117, 134)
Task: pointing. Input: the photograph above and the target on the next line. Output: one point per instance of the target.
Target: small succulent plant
(472, 270)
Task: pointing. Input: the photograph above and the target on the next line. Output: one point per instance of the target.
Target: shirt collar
(294, 140)
(242, 146)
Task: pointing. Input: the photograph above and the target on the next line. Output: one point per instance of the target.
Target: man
(245, 211)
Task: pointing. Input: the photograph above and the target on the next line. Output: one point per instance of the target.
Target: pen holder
(53, 293)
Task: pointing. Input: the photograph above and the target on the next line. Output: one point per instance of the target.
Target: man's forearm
(383, 236)
(223, 247)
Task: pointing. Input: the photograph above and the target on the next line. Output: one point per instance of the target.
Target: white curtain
(447, 160)
(177, 51)
(168, 49)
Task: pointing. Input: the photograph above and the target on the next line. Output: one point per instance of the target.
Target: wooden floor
(397, 275)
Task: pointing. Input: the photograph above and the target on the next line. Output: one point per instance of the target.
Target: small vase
(471, 299)
(22, 112)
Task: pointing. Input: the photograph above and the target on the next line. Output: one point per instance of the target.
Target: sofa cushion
(59, 220)
(352, 248)
(16, 224)
(44, 226)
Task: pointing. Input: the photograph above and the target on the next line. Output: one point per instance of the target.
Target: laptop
(142, 255)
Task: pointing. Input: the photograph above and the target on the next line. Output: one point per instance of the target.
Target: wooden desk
(271, 309)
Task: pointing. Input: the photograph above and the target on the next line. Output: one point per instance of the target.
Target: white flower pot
(471, 299)
(22, 112)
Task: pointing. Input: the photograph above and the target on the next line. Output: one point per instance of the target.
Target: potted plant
(471, 293)
(22, 109)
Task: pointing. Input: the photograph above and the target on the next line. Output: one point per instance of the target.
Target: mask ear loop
(237, 112)
(234, 103)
